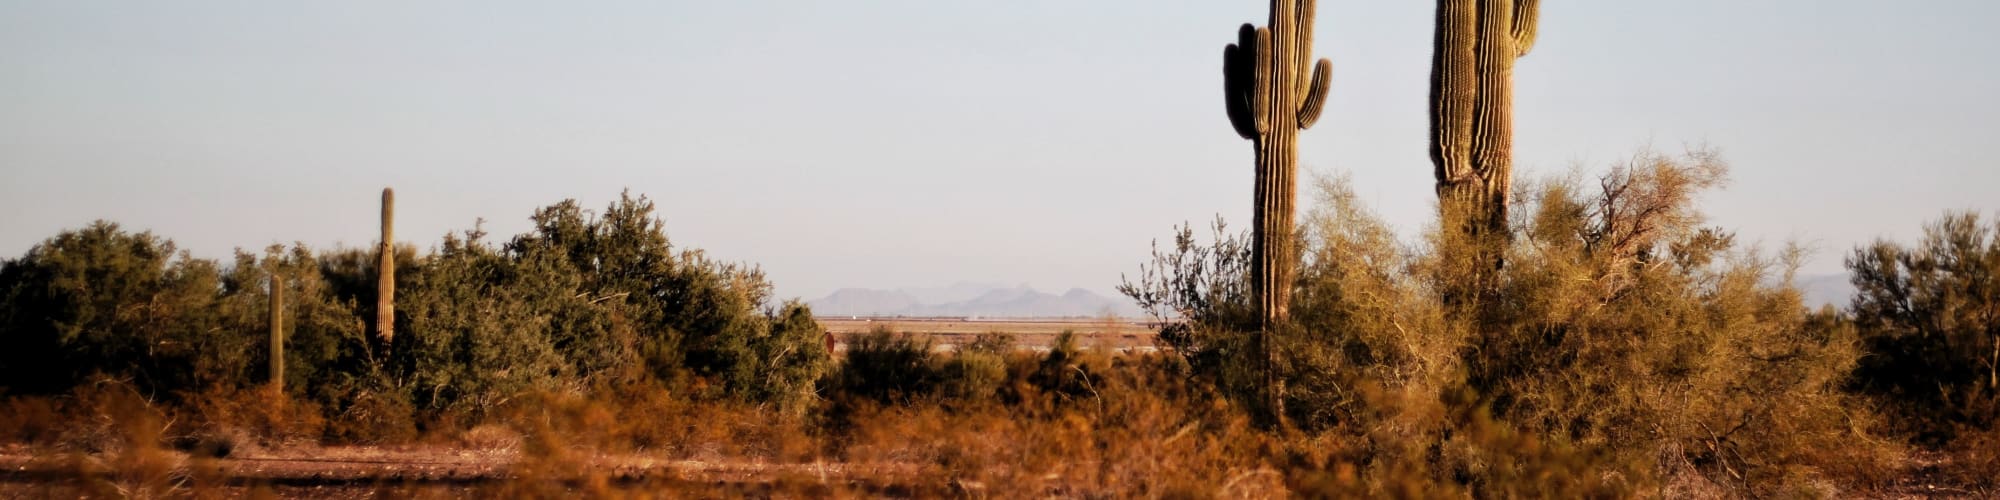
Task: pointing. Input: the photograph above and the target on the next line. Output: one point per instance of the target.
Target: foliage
(1620, 328)
(887, 368)
(1625, 349)
(681, 313)
(581, 301)
(103, 300)
(1930, 315)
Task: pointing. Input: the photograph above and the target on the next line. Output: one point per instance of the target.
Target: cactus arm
(1453, 91)
(1260, 106)
(1238, 78)
(1237, 107)
(1314, 99)
(1525, 22)
(1302, 52)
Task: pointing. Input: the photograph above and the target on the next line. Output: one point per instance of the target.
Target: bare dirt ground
(440, 471)
(424, 470)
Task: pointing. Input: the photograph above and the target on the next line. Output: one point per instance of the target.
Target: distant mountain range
(971, 299)
(1826, 289)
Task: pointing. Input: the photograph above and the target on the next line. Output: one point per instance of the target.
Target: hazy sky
(922, 142)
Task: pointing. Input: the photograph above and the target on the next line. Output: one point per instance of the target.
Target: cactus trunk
(385, 274)
(1272, 93)
(1472, 119)
(277, 333)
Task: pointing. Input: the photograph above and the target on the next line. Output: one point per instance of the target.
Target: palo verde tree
(1271, 96)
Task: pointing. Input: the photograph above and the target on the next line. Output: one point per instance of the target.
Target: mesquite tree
(1472, 118)
(1272, 95)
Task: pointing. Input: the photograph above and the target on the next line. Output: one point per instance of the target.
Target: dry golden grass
(1086, 423)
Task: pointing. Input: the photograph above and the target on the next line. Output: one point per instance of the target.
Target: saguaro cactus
(1272, 95)
(277, 332)
(385, 275)
(1472, 98)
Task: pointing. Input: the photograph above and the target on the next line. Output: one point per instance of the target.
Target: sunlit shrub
(1619, 329)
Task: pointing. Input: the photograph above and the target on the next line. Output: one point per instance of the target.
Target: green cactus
(1472, 118)
(1271, 96)
(385, 276)
(277, 333)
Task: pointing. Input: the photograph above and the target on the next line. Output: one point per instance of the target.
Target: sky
(905, 143)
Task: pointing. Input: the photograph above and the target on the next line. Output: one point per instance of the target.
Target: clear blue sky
(921, 142)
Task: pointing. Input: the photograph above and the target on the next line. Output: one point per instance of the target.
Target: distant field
(1029, 333)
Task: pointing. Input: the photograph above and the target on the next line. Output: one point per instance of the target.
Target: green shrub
(1930, 316)
(887, 368)
(682, 315)
(972, 376)
(582, 301)
(480, 328)
(103, 300)
(793, 358)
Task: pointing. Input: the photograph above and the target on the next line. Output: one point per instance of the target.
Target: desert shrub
(646, 417)
(1621, 335)
(1144, 432)
(223, 420)
(1200, 293)
(886, 368)
(328, 350)
(116, 443)
(583, 300)
(1068, 372)
(973, 376)
(789, 360)
(479, 328)
(100, 300)
(372, 417)
(1929, 314)
(1974, 460)
(349, 273)
(674, 313)
(33, 420)
(991, 343)
(587, 299)
(1622, 324)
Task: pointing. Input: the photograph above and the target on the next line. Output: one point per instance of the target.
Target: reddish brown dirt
(367, 471)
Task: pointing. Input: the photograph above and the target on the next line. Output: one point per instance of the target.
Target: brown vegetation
(1628, 351)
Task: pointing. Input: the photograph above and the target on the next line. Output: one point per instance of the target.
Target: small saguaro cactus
(277, 333)
(1272, 95)
(385, 275)
(1472, 98)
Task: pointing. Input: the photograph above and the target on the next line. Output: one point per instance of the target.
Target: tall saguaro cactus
(277, 332)
(385, 275)
(1472, 99)
(1274, 90)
